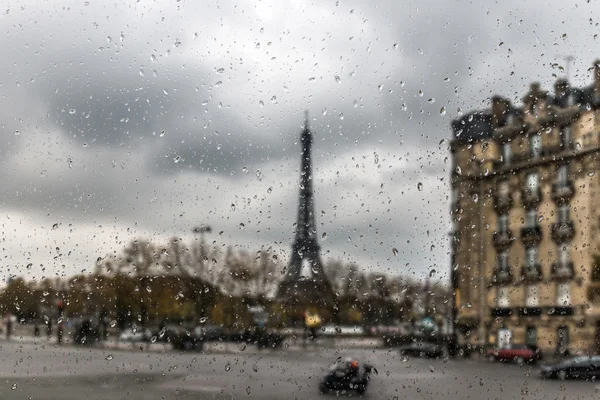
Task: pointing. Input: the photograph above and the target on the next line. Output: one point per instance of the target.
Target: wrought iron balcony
(559, 311)
(503, 239)
(563, 231)
(530, 311)
(531, 197)
(502, 276)
(531, 236)
(501, 312)
(532, 273)
(560, 271)
(563, 193)
(503, 203)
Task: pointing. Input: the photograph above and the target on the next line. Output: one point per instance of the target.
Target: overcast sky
(146, 118)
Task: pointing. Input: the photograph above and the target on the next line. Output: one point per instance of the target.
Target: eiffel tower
(305, 283)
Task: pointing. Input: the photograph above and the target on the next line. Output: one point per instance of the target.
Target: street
(36, 371)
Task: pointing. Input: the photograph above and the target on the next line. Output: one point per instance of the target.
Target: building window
(536, 145)
(563, 254)
(566, 137)
(504, 189)
(531, 218)
(504, 338)
(531, 256)
(531, 336)
(563, 295)
(506, 152)
(502, 223)
(503, 261)
(503, 297)
(531, 182)
(531, 296)
(563, 214)
(562, 176)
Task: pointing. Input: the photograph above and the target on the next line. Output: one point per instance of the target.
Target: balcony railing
(562, 194)
(532, 273)
(531, 236)
(530, 311)
(563, 231)
(531, 197)
(561, 311)
(501, 312)
(562, 271)
(503, 239)
(503, 203)
(502, 276)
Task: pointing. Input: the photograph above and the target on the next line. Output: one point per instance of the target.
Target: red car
(518, 353)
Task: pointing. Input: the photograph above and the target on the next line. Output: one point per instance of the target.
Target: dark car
(421, 349)
(520, 354)
(345, 376)
(585, 367)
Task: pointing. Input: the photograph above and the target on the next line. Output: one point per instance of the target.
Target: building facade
(525, 207)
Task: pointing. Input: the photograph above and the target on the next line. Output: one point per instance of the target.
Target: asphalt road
(30, 371)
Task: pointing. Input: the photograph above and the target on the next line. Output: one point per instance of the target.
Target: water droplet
(141, 72)
(219, 83)
(395, 46)
(274, 99)
(355, 103)
(404, 359)
(43, 173)
(475, 197)
(261, 103)
(153, 58)
(70, 162)
(395, 251)
(227, 367)
(591, 173)
(431, 368)
(176, 159)
(243, 347)
(17, 132)
(242, 226)
(72, 111)
(109, 39)
(324, 235)
(232, 207)
(338, 79)
(420, 186)
(255, 368)
(165, 91)
(270, 190)
(324, 111)
(248, 390)
(443, 111)
(203, 319)
(55, 226)
(220, 70)
(431, 100)
(109, 357)
(14, 386)
(432, 273)
(341, 116)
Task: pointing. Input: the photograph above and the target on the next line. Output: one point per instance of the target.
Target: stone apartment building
(525, 207)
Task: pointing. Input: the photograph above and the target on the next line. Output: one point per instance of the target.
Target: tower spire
(306, 119)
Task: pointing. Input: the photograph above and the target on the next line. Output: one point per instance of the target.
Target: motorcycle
(342, 377)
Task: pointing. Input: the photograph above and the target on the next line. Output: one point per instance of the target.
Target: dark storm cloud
(91, 89)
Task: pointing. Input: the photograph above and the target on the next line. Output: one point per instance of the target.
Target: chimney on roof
(597, 75)
(561, 86)
(500, 108)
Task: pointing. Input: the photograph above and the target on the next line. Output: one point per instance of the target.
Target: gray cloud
(90, 90)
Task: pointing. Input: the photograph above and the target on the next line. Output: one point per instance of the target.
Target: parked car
(583, 367)
(422, 349)
(139, 335)
(520, 354)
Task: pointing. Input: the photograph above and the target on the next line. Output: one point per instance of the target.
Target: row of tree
(148, 283)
